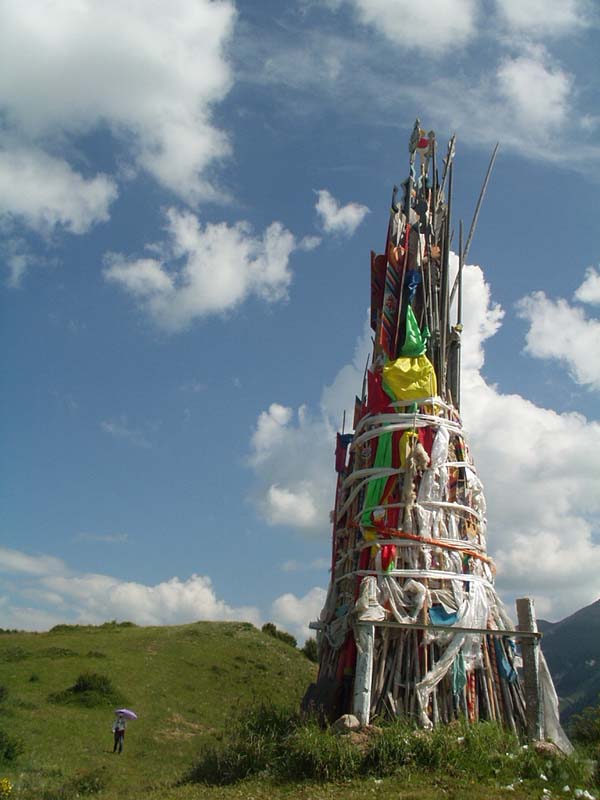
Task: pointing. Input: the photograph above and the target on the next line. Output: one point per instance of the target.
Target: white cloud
(308, 243)
(294, 613)
(539, 469)
(120, 429)
(292, 457)
(17, 258)
(300, 566)
(44, 192)
(148, 72)
(538, 93)
(432, 27)
(183, 285)
(298, 491)
(108, 538)
(538, 18)
(285, 506)
(560, 331)
(48, 592)
(479, 326)
(540, 473)
(339, 219)
(19, 562)
(166, 603)
(589, 291)
(270, 431)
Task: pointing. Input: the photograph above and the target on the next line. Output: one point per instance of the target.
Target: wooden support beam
(530, 651)
(521, 634)
(363, 678)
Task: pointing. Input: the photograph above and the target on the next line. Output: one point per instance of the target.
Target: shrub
(310, 650)
(585, 727)
(90, 689)
(66, 628)
(114, 624)
(283, 636)
(10, 747)
(3, 693)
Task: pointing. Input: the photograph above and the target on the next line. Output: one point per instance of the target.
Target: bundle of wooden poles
(409, 561)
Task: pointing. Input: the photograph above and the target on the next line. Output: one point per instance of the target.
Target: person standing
(119, 733)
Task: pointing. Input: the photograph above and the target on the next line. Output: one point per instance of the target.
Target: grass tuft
(10, 747)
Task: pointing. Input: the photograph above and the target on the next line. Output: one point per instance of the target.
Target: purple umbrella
(126, 712)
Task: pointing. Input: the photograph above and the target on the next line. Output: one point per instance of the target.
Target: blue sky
(188, 196)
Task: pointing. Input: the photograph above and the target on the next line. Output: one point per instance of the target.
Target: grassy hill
(188, 684)
(185, 682)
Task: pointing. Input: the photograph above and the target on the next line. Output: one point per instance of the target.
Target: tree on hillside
(585, 727)
(272, 630)
(310, 649)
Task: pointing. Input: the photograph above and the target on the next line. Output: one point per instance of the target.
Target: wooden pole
(364, 673)
(530, 651)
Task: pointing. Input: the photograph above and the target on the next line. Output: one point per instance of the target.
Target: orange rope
(436, 542)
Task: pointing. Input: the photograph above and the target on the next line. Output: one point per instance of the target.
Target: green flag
(415, 341)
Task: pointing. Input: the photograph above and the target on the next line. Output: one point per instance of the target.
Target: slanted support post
(363, 678)
(530, 650)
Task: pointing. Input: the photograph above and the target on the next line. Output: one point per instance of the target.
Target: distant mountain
(572, 650)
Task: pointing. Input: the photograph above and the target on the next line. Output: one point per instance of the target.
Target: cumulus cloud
(432, 28)
(589, 291)
(149, 73)
(540, 474)
(292, 451)
(538, 18)
(292, 455)
(285, 506)
(339, 219)
(101, 597)
(45, 192)
(48, 592)
(561, 331)
(537, 92)
(182, 285)
(294, 613)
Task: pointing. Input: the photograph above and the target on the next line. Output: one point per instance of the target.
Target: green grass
(223, 697)
(184, 682)
(290, 749)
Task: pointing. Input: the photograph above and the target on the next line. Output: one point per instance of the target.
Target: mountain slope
(572, 650)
